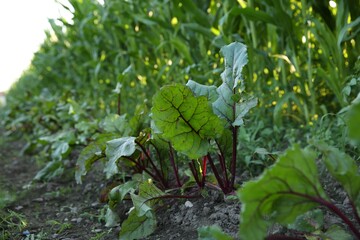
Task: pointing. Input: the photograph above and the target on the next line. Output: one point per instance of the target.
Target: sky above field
(22, 26)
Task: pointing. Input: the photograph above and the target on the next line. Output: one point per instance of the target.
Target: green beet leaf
(115, 149)
(311, 221)
(212, 233)
(118, 193)
(241, 109)
(281, 194)
(141, 221)
(111, 218)
(203, 90)
(135, 227)
(227, 105)
(50, 171)
(353, 121)
(147, 197)
(344, 169)
(60, 150)
(90, 154)
(116, 123)
(336, 232)
(185, 120)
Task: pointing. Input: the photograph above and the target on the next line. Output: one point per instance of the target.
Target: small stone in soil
(77, 220)
(188, 204)
(206, 211)
(18, 208)
(178, 219)
(87, 188)
(38, 200)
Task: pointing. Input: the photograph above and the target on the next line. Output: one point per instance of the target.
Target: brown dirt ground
(61, 209)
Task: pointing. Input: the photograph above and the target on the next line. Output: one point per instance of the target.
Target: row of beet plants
(193, 127)
(191, 143)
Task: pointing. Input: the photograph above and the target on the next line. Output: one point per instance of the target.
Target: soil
(61, 209)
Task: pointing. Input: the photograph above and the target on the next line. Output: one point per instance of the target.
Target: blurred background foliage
(112, 57)
(302, 54)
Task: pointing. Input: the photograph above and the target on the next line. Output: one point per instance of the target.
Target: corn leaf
(252, 14)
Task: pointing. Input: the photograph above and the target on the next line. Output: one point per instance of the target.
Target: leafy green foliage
(50, 171)
(111, 218)
(212, 233)
(90, 154)
(281, 194)
(141, 221)
(113, 57)
(11, 222)
(6, 198)
(353, 121)
(227, 105)
(137, 227)
(187, 121)
(336, 232)
(309, 222)
(147, 197)
(118, 193)
(344, 169)
(113, 123)
(115, 149)
(203, 90)
(295, 189)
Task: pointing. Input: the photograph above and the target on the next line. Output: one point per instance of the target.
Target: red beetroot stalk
(194, 173)
(205, 158)
(175, 168)
(217, 176)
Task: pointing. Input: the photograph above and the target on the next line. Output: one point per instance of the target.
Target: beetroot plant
(290, 190)
(191, 126)
(199, 120)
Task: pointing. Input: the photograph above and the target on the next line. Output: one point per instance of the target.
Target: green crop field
(169, 101)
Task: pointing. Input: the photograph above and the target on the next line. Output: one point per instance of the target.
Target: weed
(11, 224)
(59, 227)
